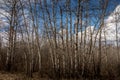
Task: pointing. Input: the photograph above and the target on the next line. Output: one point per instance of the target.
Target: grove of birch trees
(51, 37)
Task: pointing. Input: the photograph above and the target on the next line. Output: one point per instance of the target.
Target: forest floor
(17, 76)
(20, 76)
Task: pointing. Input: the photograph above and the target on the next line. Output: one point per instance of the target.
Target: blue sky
(92, 5)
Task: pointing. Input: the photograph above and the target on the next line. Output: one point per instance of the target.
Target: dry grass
(17, 76)
(20, 76)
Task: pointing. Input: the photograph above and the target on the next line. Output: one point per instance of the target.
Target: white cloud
(112, 23)
(63, 30)
(109, 29)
